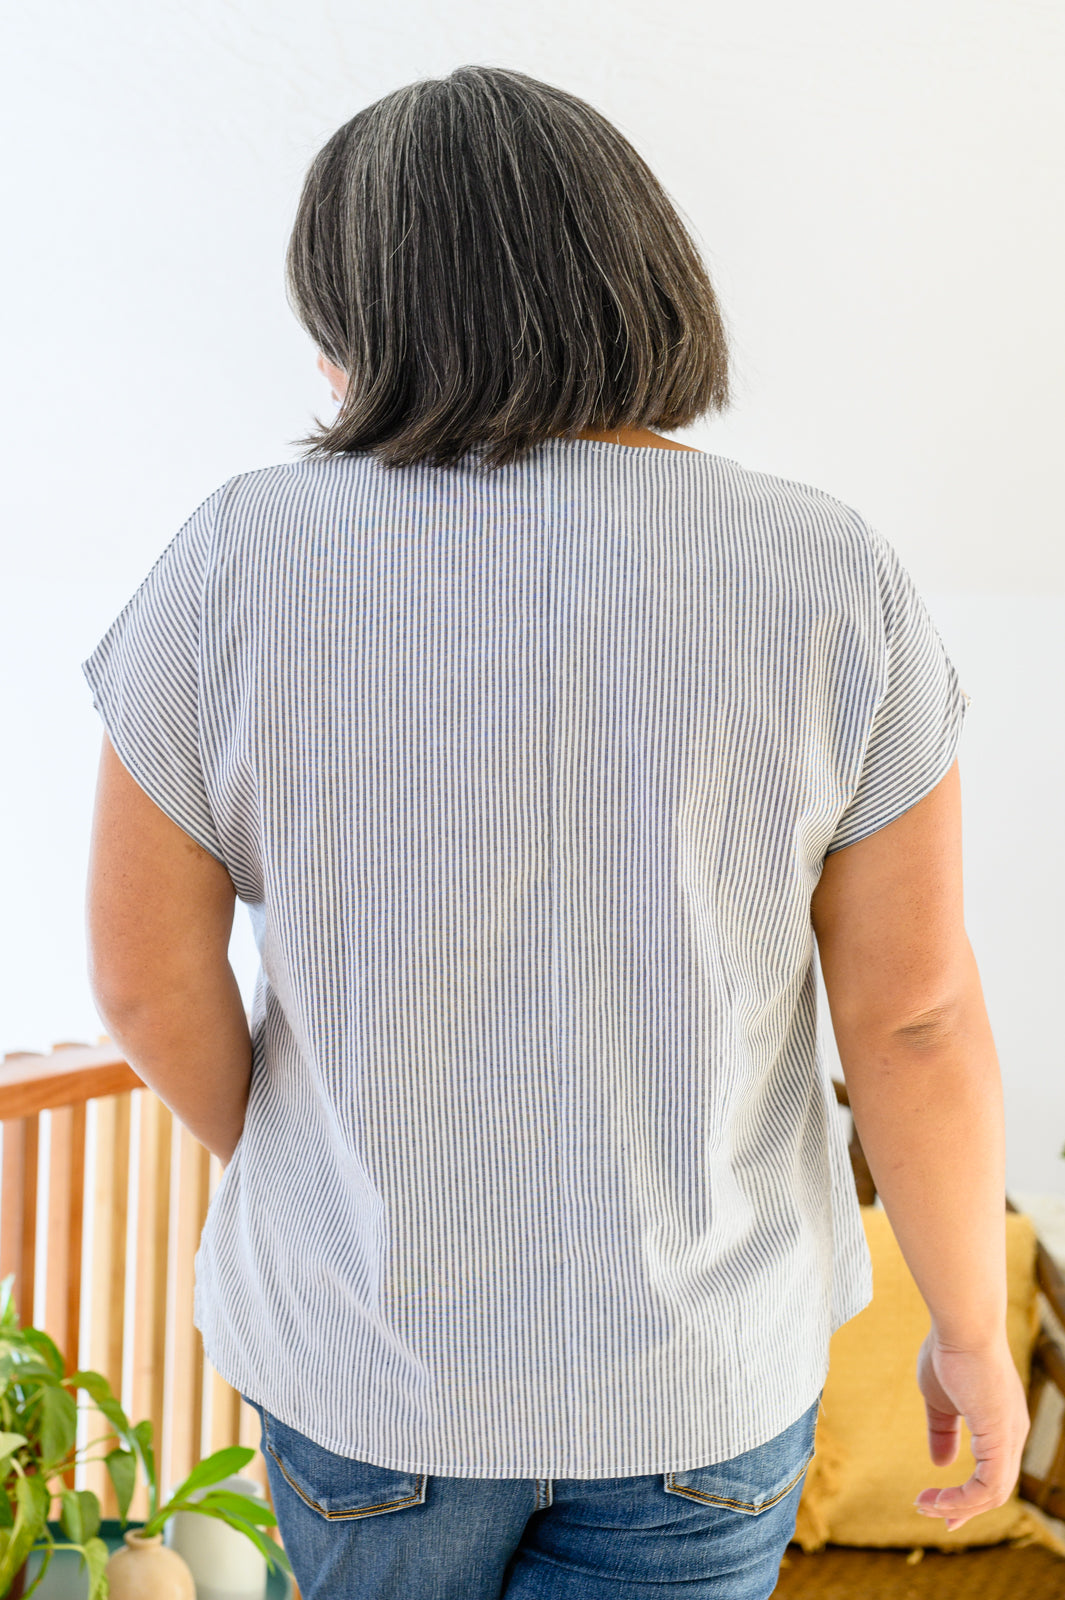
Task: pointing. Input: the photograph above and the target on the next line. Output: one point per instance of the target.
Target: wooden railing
(116, 1285)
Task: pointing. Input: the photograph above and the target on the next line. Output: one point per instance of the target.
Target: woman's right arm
(925, 1090)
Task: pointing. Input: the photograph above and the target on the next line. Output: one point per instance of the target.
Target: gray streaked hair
(491, 263)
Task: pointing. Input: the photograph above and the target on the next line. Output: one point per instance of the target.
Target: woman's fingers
(989, 1486)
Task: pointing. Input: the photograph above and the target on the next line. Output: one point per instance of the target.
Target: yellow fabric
(871, 1455)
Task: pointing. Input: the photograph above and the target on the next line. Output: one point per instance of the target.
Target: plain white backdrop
(877, 194)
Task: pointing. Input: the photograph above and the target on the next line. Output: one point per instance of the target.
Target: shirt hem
(421, 1467)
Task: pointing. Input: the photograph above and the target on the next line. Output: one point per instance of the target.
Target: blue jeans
(353, 1531)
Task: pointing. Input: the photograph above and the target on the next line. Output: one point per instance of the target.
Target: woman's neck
(631, 436)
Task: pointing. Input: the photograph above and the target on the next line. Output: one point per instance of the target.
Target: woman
(540, 748)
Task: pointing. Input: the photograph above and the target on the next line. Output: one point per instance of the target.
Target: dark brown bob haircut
(491, 264)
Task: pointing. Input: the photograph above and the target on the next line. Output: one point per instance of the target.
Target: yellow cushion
(871, 1455)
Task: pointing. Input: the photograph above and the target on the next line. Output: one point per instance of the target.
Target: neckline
(608, 444)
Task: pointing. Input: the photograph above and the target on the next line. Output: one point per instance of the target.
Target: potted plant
(38, 1430)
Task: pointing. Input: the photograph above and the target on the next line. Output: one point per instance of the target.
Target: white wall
(877, 194)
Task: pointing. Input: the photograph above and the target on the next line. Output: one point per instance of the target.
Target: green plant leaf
(222, 1464)
(9, 1443)
(7, 1519)
(243, 1505)
(47, 1349)
(80, 1516)
(122, 1465)
(18, 1369)
(136, 1438)
(57, 1428)
(100, 1393)
(97, 1555)
(31, 1518)
(142, 1437)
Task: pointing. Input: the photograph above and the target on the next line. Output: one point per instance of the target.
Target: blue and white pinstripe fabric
(526, 780)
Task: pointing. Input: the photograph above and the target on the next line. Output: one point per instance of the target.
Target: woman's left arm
(159, 914)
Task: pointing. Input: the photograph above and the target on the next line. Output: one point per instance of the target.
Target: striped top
(526, 778)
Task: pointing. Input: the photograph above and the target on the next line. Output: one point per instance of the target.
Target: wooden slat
(1041, 1492)
(863, 1178)
(65, 1225)
(1047, 1488)
(108, 1276)
(231, 1421)
(1051, 1279)
(18, 1211)
(225, 1408)
(152, 1189)
(185, 1410)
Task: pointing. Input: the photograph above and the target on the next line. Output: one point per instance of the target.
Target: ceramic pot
(224, 1563)
(146, 1570)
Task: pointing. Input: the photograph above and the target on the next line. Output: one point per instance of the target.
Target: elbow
(929, 1029)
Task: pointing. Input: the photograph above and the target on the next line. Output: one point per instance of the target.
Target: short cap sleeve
(144, 676)
(917, 723)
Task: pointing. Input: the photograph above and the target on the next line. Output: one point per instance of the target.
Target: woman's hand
(983, 1386)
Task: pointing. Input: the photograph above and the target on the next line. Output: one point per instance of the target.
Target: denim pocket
(338, 1486)
(758, 1479)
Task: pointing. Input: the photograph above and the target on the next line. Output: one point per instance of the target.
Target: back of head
(492, 264)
